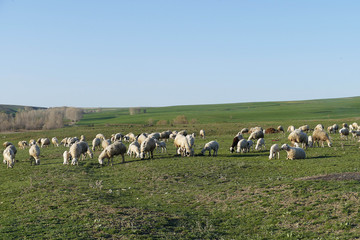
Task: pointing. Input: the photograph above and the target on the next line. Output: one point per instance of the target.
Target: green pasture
(231, 196)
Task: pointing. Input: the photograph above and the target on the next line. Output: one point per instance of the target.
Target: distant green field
(230, 196)
(340, 108)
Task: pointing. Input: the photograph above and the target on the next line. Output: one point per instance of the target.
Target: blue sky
(162, 53)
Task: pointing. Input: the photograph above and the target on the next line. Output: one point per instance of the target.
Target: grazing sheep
(34, 153)
(64, 141)
(154, 135)
(101, 136)
(105, 143)
(32, 142)
(250, 144)
(270, 130)
(299, 137)
(147, 146)
(310, 141)
(116, 136)
(134, 149)
(242, 146)
(244, 130)
(202, 133)
(182, 145)
(256, 135)
(191, 140)
(321, 136)
(130, 137)
(86, 150)
(255, 129)
(66, 156)
(43, 142)
(355, 125)
(75, 153)
(183, 132)
(6, 144)
(213, 145)
(71, 141)
(96, 143)
(115, 149)
(165, 135)
(235, 141)
(345, 125)
(9, 157)
(319, 127)
(82, 138)
(55, 141)
(273, 151)
(344, 133)
(161, 145)
(293, 152)
(141, 137)
(23, 144)
(291, 128)
(280, 129)
(304, 128)
(260, 144)
(355, 133)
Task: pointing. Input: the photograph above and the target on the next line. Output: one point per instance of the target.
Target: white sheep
(355, 133)
(213, 145)
(34, 153)
(182, 145)
(82, 138)
(96, 143)
(43, 142)
(191, 140)
(299, 137)
(9, 157)
(290, 128)
(250, 144)
(256, 135)
(242, 146)
(115, 149)
(165, 135)
(202, 133)
(321, 136)
(293, 152)
(105, 143)
(141, 137)
(273, 151)
(116, 136)
(66, 157)
(280, 129)
(154, 135)
(310, 141)
(147, 146)
(161, 145)
(23, 144)
(55, 141)
(304, 128)
(32, 142)
(101, 136)
(244, 130)
(77, 150)
(134, 149)
(260, 144)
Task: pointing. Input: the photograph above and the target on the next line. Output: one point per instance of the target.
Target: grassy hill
(323, 109)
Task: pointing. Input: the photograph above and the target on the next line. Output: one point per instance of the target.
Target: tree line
(50, 118)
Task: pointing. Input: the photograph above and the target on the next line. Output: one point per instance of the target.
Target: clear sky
(127, 53)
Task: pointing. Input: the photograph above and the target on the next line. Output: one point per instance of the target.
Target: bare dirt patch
(334, 177)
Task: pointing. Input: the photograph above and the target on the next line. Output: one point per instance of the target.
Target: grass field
(231, 196)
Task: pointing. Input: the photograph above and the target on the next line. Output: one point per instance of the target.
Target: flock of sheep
(144, 144)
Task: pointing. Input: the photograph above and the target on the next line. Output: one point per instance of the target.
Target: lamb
(55, 141)
(256, 135)
(115, 149)
(344, 133)
(299, 137)
(293, 153)
(181, 144)
(213, 145)
(9, 157)
(34, 153)
(242, 146)
(96, 143)
(291, 128)
(147, 146)
(321, 136)
(23, 144)
(202, 133)
(134, 149)
(43, 142)
(160, 145)
(66, 156)
(310, 141)
(260, 144)
(273, 151)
